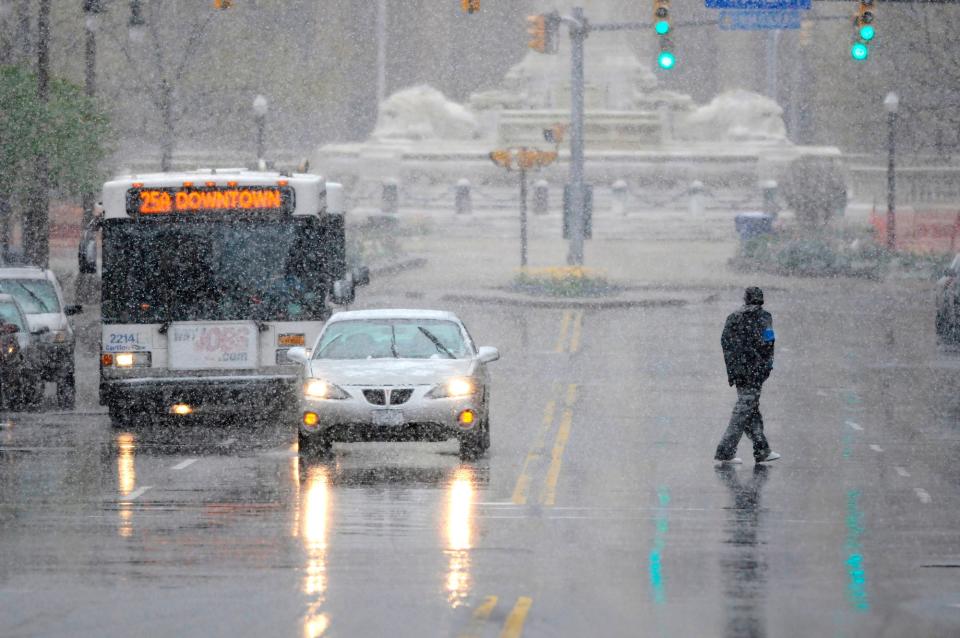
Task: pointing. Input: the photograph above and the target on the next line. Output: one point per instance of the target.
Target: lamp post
(891, 103)
(260, 107)
(137, 26)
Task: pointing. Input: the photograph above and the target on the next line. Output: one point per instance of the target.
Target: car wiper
(393, 341)
(440, 347)
(36, 297)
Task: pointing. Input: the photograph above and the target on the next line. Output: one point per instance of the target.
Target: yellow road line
(556, 458)
(564, 328)
(513, 628)
(559, 445)
(480, 615)
(523, 481)
(577, 331)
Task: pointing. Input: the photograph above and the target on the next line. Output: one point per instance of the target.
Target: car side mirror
(488, 354)
(343, 292)
(71, 310)
(87, 253)
(41, 331)
(361, 276)
(298, 354)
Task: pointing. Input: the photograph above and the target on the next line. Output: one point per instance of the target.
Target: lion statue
(735, 116)
(424, 113)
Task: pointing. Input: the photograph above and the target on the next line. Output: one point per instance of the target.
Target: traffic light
(661, 24)
(543, 29)
(864, 30)
(470, 6)
(222, 4)
(661, 17)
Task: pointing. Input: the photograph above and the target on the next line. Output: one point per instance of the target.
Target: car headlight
(57, 336)
(453, 388)
(320, 389)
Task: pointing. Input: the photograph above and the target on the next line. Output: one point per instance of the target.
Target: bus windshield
(264, 270)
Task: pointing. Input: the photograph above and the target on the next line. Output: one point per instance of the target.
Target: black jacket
(748, 342)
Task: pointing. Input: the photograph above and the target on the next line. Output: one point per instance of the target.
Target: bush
(814, 188)
(571, 281)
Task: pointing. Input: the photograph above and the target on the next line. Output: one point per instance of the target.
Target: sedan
(395, 375)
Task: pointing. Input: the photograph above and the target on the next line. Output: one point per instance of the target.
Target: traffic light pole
(523, 217)
(578, 34)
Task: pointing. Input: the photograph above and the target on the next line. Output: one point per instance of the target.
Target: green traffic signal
(867, 32)
(662, 27)
(859, 51)
(666, 60)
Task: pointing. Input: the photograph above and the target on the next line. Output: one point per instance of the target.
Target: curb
(398, 266)
(535, 302)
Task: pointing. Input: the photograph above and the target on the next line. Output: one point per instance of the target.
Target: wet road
(597, 512)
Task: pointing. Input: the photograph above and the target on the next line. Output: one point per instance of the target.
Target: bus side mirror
(361, 276)
(343, 292)
(87, 253)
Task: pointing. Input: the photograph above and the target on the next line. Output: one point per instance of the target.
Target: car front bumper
(355, 419)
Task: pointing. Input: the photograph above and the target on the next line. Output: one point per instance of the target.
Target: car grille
(398, 397)
(376, 397)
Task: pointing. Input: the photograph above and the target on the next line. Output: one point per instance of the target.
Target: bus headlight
(131, 359)
(320, 389)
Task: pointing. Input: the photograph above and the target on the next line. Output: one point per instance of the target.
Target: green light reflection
(856, 568)
(655, 560)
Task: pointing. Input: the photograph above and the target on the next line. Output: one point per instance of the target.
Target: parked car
(948, 304)
(39, 294)
(395, 375)
(20, 383)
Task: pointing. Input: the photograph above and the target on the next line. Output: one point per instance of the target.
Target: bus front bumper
(210, 395)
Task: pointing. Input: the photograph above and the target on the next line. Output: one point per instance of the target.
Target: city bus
(208, 278)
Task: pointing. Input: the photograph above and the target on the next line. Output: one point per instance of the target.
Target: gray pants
(746, 419)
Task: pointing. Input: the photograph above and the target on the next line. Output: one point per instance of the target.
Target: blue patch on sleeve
(769, 336)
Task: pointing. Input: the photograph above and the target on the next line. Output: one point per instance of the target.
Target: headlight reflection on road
(459, 529)
(126, 479)
(314, 520)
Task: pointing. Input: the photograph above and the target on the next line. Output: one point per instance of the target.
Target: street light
(260, 107)
(891, 103)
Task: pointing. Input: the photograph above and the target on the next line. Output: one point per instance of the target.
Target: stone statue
(424, 113)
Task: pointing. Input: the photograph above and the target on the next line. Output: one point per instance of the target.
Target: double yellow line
(571, 330)
(512, 627)
(548, 494)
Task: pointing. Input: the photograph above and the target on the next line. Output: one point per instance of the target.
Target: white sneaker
(772, 456)
(734, 461)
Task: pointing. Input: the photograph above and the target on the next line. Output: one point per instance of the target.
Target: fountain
(634, 130)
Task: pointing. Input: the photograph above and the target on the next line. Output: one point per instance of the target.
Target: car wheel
(313, 445)
(66, 391)
(472, 444)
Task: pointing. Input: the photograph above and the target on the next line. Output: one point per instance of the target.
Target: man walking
(747, 341)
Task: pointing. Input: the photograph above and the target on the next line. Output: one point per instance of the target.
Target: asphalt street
(597, 512)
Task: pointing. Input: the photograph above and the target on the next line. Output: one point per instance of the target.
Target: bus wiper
(436, 342)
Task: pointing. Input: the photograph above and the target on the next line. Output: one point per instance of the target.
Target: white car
(395, 375)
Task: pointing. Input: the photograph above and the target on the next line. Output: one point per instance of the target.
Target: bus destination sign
(211, 199)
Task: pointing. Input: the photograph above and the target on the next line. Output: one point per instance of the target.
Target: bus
(208, 278)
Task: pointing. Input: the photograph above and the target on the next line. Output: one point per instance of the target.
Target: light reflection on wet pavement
(597, 512)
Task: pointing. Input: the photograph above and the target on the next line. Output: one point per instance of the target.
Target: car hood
(390, 371)
(49, 320)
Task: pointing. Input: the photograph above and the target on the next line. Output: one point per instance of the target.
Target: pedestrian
(748, 340)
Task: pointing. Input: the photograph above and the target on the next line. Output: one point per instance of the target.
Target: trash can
(750, 225)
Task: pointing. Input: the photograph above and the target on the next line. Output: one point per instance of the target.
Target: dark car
(948, 304)
(20, 383)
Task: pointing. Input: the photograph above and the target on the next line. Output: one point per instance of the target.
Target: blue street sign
(751, 20)
(758, 4)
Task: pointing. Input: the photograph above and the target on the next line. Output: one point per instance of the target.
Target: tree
(70, 130)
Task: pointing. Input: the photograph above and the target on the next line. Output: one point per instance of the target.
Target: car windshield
(393, 339)
(10, 314)
(36, 296)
